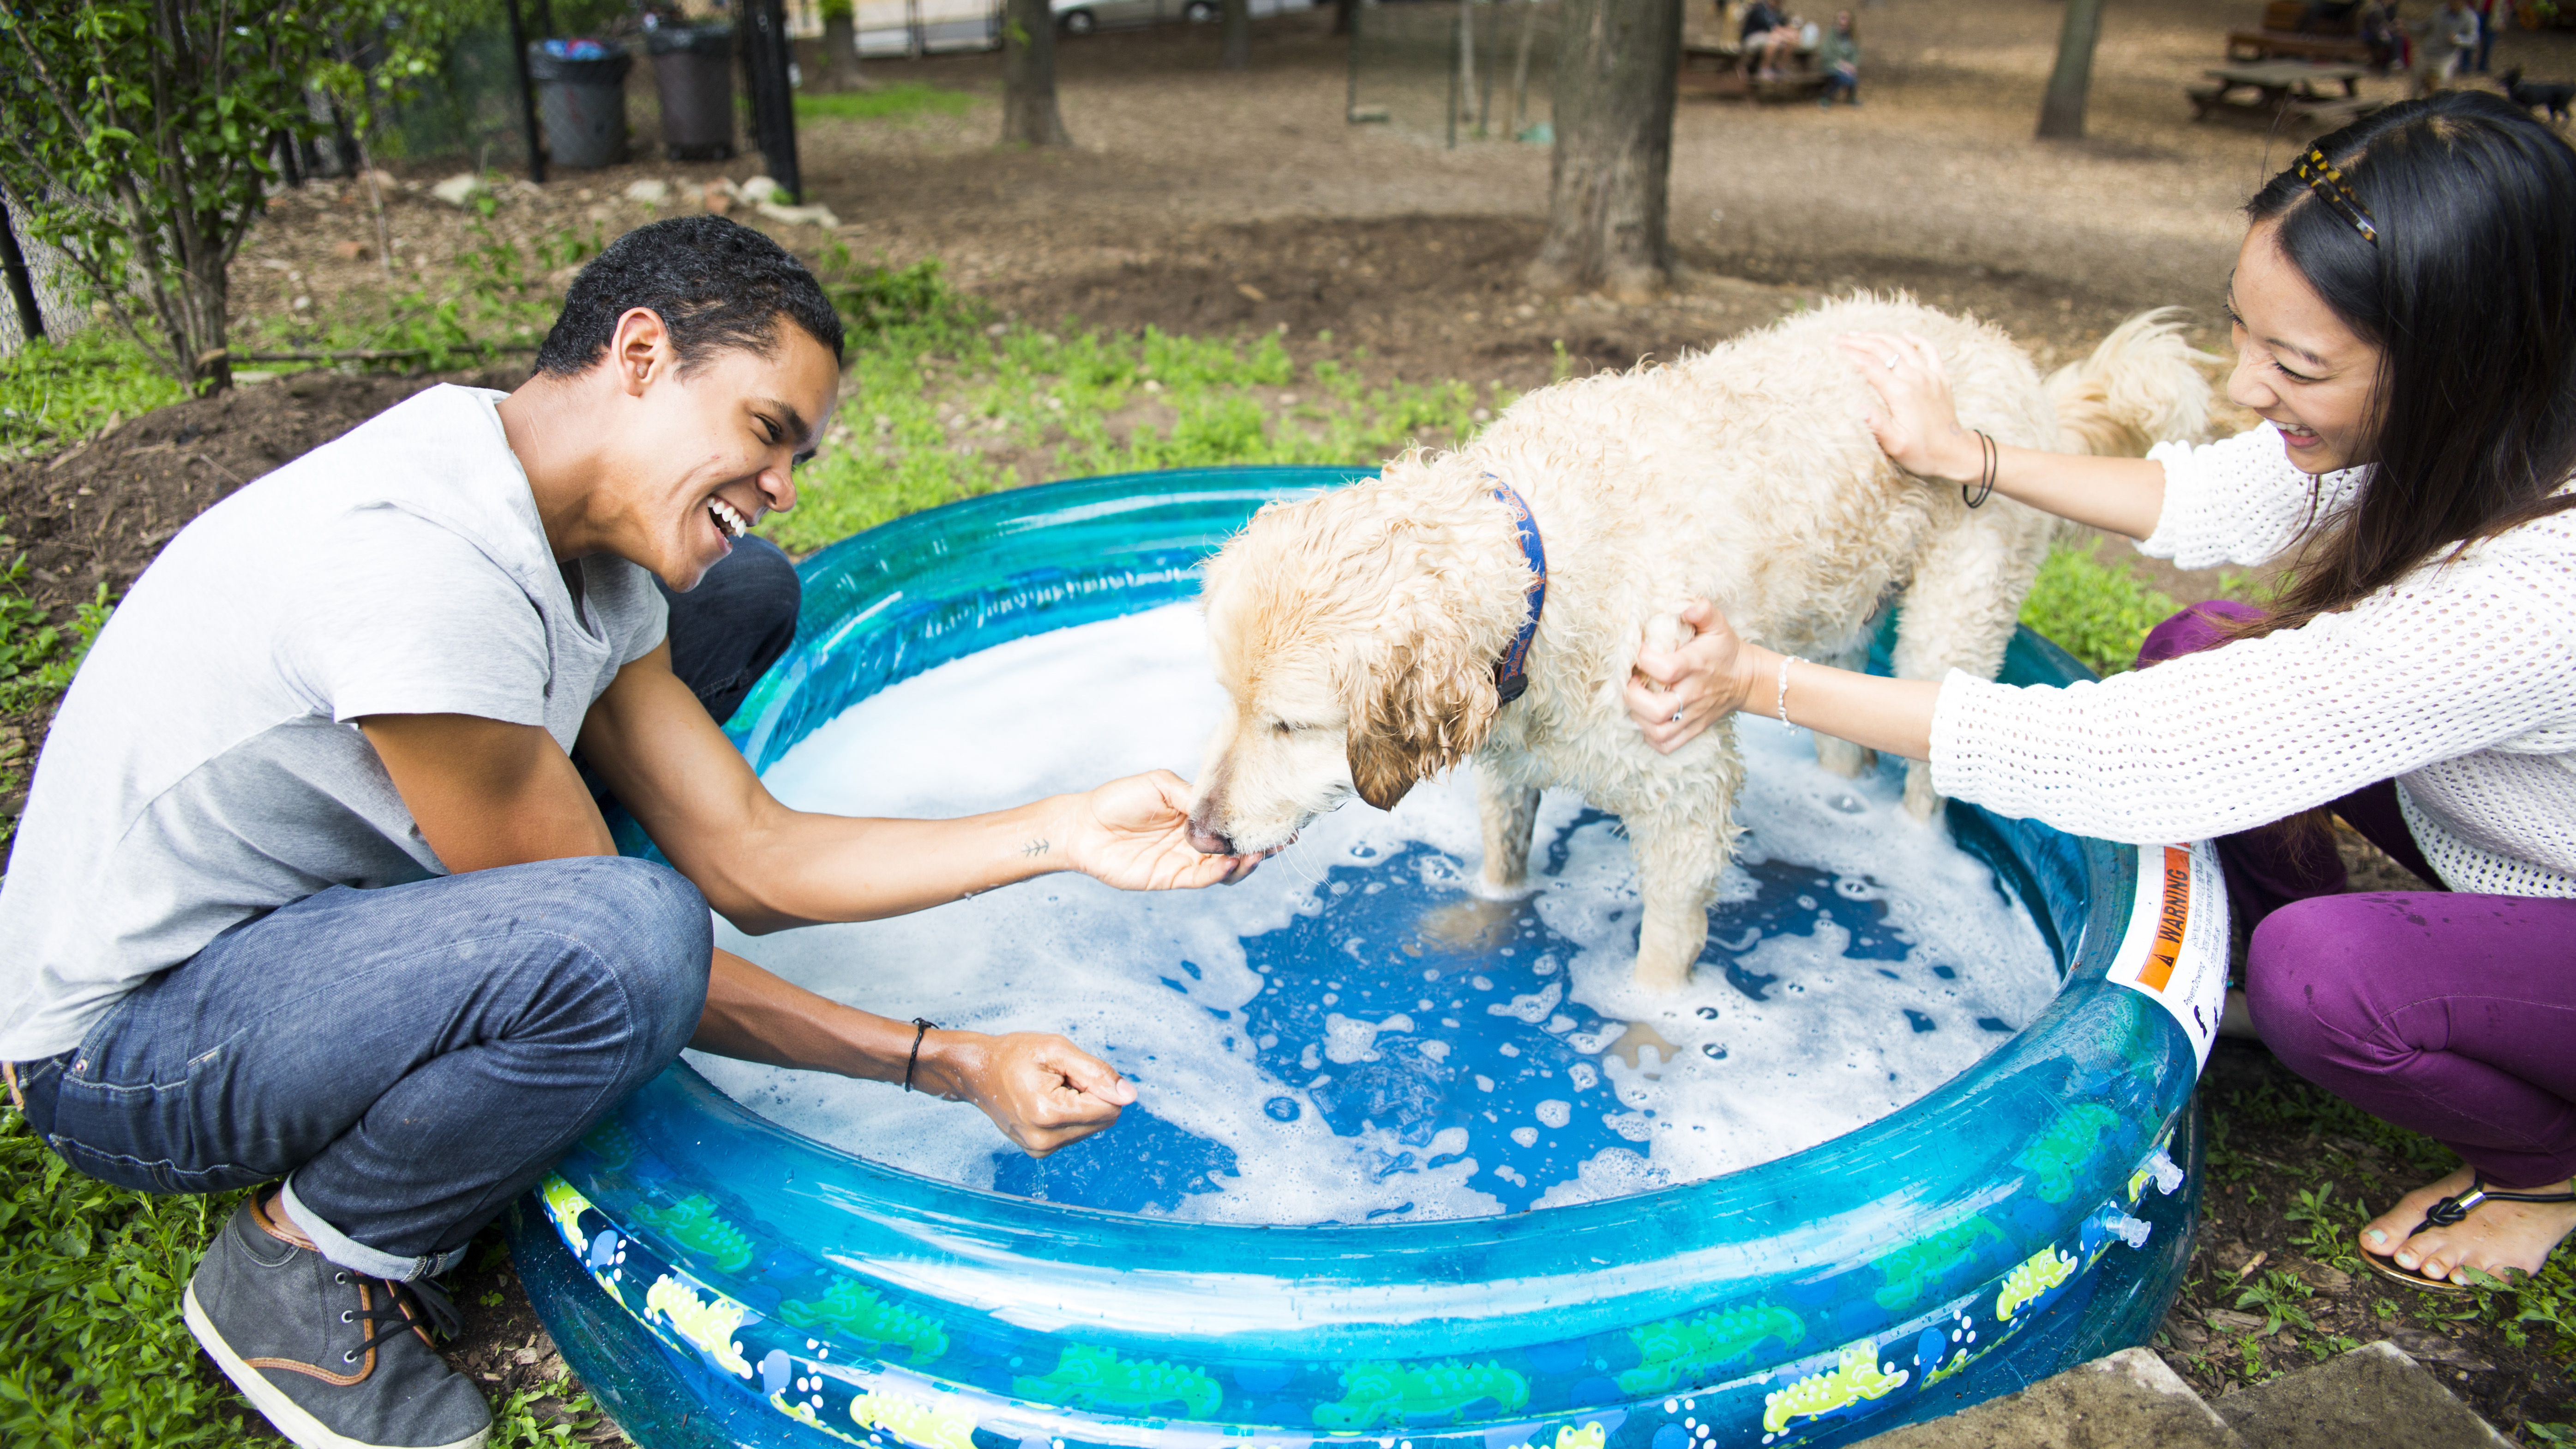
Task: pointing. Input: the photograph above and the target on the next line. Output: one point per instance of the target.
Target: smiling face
(2297, 363)
(699, 454)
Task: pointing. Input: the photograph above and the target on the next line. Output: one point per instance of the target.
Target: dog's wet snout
(1209, 842)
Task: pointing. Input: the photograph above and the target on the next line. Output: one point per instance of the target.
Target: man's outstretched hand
(1042, 1091)
(1135, 834)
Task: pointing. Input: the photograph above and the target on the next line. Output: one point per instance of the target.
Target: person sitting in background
(1838, 56)
(2450, 42)
(1769, 36)
(2385, 36)
(2403, 326)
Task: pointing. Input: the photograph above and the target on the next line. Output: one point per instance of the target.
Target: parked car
(1082, 17)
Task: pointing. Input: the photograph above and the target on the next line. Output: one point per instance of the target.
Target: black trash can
(693, 68)
(583, 105)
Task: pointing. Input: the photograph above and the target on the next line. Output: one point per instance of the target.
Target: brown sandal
(2449, 1212)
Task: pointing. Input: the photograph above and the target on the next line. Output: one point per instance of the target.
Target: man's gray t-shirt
(206, 767)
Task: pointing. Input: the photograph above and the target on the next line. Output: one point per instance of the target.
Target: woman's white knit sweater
(2458, 682)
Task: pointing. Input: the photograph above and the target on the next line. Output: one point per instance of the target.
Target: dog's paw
(1844, 758)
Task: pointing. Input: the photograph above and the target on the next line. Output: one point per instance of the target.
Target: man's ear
(1416, 708)
(639, 349)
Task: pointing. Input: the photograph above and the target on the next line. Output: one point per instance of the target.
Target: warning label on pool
(2176, 946)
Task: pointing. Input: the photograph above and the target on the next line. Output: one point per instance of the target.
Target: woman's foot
(2494, 1237)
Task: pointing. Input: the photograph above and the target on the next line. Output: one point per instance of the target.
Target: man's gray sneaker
(335, 1359)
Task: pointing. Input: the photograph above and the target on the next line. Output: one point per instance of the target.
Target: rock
(800, 215)
(2129, 1400)
(2324, 1279)
(460, 189)
(2425, 1346)
(2372, 1396)
(758, 189)
(350, 251)
(718, 197)
(651, 193)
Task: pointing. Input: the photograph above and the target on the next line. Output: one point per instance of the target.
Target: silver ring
(1890, 360)
(1676, 719)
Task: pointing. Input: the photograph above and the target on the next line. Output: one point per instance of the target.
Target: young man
(310, 886)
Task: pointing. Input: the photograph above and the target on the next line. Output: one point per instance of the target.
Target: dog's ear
(1419, 702)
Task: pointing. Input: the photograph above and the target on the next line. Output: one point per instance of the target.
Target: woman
(2404, 312)
(1838, 57)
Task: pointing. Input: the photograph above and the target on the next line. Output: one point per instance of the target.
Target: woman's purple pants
(2451, 1014)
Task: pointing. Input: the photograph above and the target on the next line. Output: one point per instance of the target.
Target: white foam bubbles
(1330, 1040)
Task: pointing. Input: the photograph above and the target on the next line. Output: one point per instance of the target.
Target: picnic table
(2284, 88)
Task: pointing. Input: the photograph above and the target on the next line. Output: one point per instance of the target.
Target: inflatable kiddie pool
(716, 1279)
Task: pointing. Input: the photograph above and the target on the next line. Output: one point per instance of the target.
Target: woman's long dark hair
(2469, 293)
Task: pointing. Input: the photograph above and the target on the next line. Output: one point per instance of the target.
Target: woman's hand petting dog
(1135, 834)
(1916, 421)
(1042, 1091)
(1673, 694)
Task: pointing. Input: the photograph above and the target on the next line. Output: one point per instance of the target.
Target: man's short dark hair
(715, 284)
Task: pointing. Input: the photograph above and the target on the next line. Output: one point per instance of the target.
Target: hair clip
(2334, 191)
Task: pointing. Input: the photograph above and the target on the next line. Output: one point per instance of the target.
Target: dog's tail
(2141, 387)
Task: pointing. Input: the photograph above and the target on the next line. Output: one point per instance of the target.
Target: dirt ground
(1202, 202)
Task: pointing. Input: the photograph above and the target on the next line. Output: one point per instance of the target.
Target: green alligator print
(1682, 1353)
(853, 1313)
(1099, 1380)
(2058, 1154)
(1858, 1376)
(1915, 1272)
(1390, 1395)
(611, 1143)
(2032, 1279)
(693, 1225)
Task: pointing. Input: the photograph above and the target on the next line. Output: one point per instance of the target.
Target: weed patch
(902, 101)
(53, 394)
(941, 403)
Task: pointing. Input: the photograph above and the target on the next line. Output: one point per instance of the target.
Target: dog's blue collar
(1511, 672)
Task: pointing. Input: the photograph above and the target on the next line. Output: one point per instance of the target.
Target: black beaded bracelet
(921, 1027)
(1992, 456)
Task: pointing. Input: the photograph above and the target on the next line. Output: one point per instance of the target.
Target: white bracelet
(1783, 705)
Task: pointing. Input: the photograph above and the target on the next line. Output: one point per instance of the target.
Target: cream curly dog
(1357, 632)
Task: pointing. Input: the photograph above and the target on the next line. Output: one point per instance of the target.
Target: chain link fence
(1456, 70)
(56, 285)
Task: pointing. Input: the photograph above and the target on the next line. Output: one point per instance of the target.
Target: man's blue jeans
(412, 1058)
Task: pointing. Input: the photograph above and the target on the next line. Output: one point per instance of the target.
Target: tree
(139, 135)
(1236, 52)
(1616, 73)
(838, 58)
(1029, 114)
(2061, 112)
(1345, 13)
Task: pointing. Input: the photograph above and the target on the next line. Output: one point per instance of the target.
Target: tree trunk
(2061, 113)
(1029, 115)
(1237, 51)
(1344, 12)
(1616, 71)
(839, 58)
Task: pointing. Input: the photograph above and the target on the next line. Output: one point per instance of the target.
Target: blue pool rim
(718, 1280)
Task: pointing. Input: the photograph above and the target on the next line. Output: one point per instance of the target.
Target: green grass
(2099, 611)
(54, 394)
(903, 100)
(92, 1350)
(934, 389)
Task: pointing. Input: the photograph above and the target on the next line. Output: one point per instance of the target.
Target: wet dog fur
(1356, 632)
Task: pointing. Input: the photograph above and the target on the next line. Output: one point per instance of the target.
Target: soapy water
(1353, 1034)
